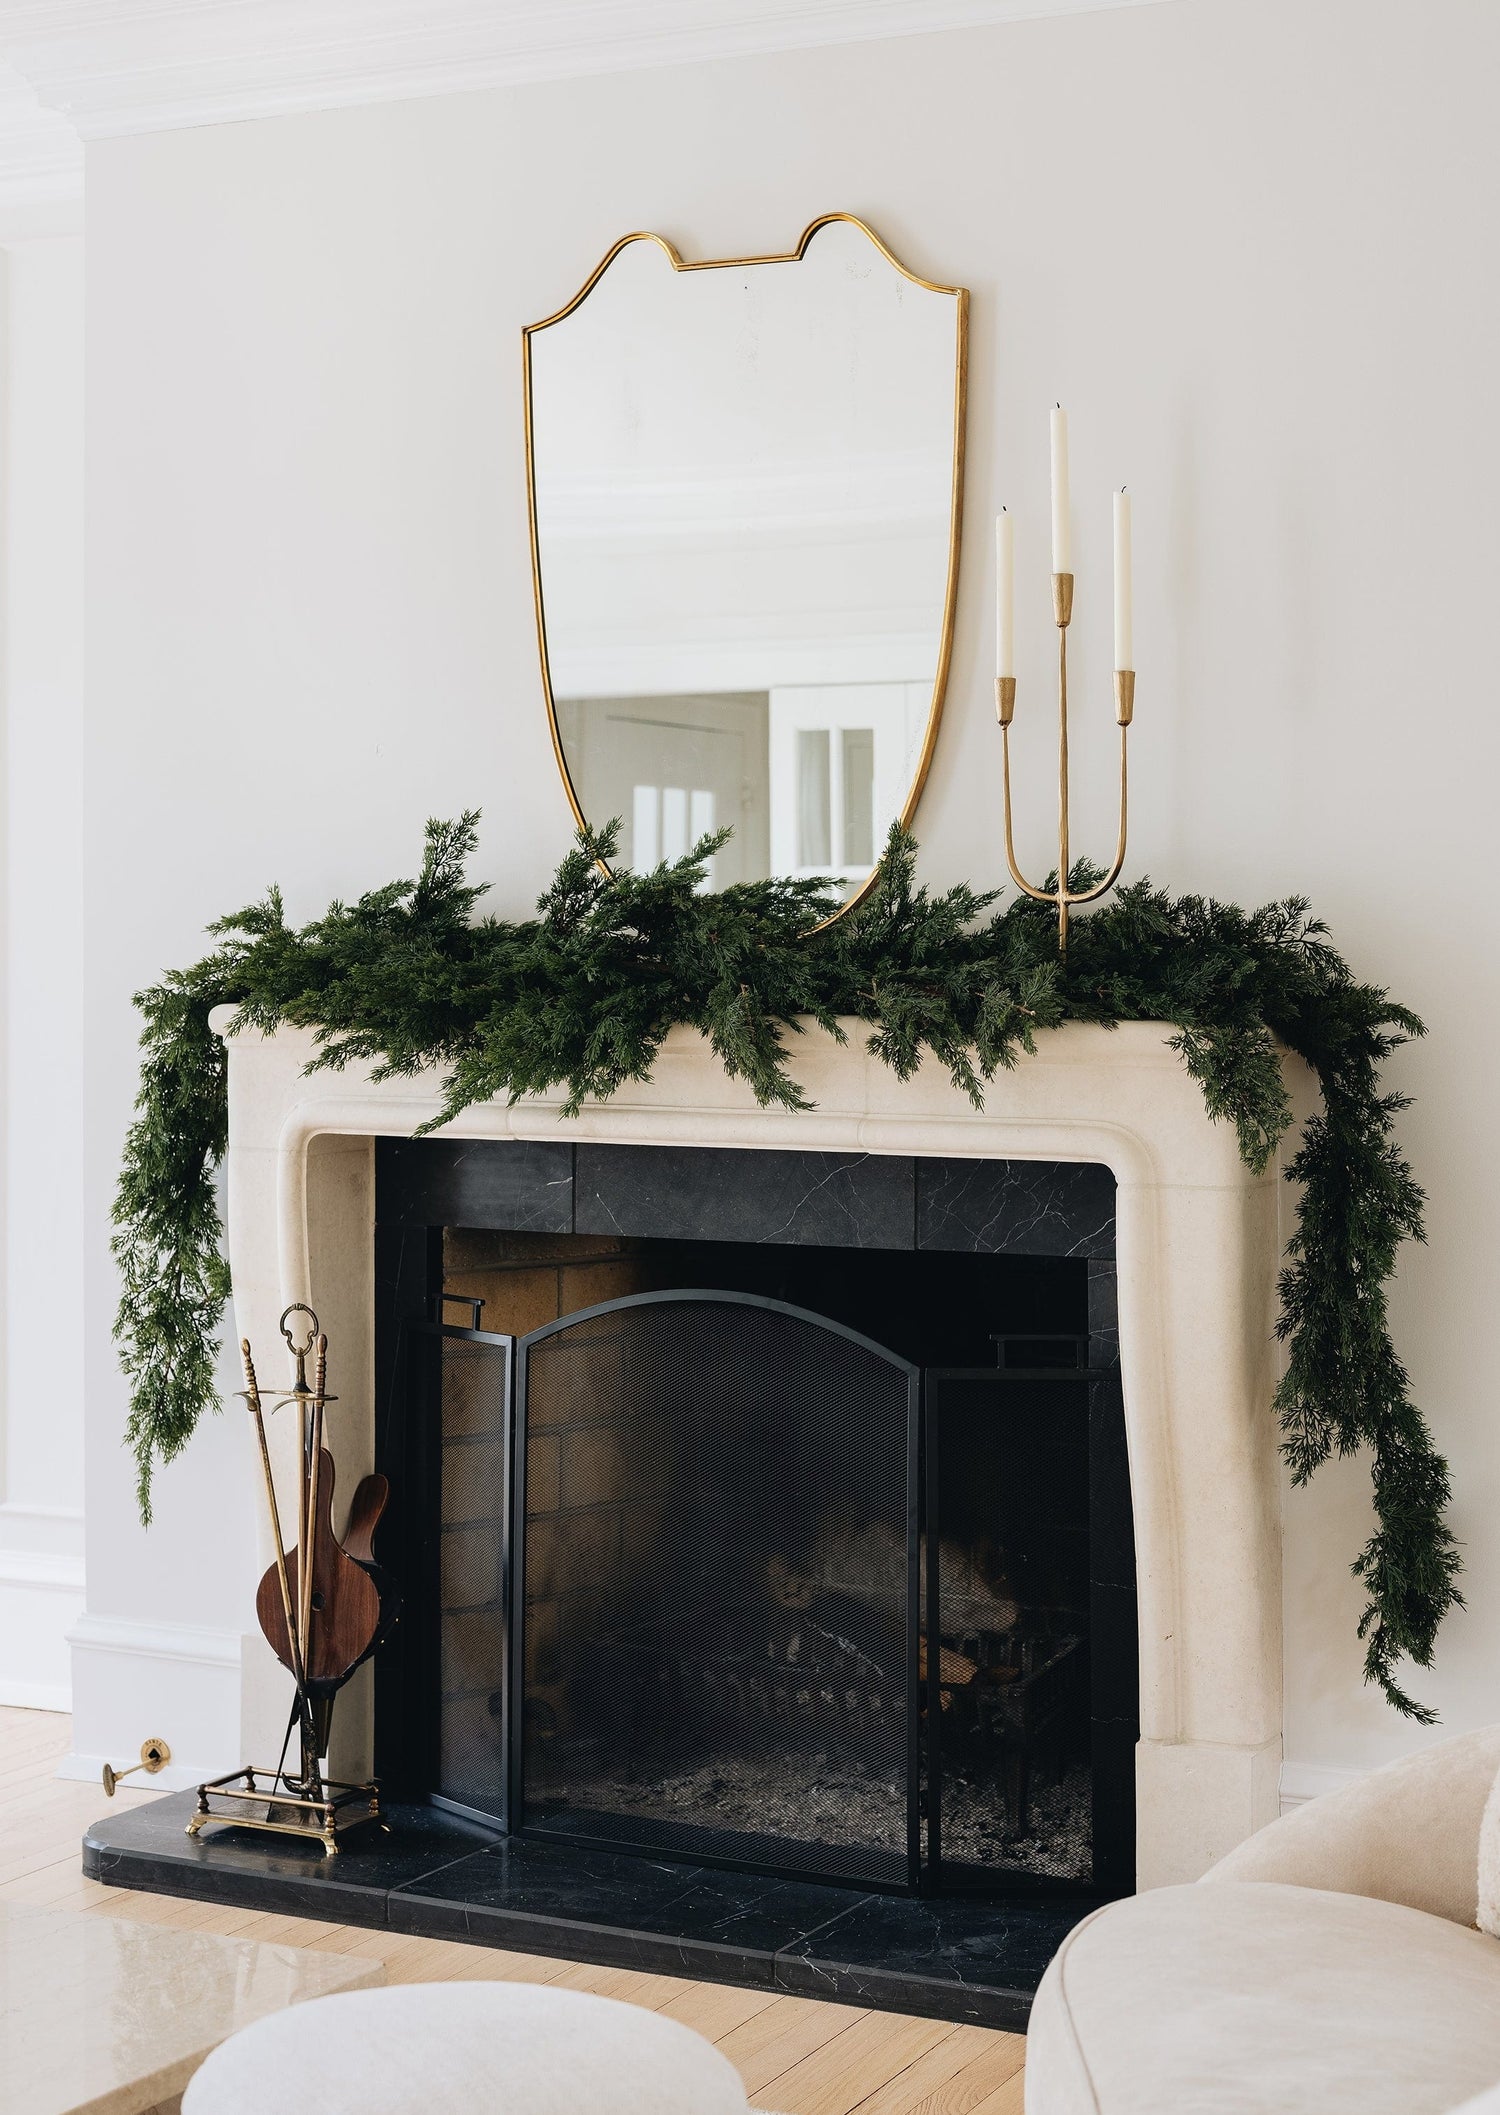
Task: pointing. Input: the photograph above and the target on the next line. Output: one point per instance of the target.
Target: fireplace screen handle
(475, 1307)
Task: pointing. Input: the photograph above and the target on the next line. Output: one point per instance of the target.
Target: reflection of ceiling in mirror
(744, 474)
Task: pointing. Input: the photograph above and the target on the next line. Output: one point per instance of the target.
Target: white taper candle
(1124, 629)
(1062, 535)
(1005, 594)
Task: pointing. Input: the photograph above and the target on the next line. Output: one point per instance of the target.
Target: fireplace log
(955, 1669)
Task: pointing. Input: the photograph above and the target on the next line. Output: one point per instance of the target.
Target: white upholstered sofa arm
(1408, 1833)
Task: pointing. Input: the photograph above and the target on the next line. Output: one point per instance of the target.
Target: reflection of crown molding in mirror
(960, 298)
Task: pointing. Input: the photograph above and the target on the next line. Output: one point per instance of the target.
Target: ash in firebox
(834, 1801)
(1059, 1840)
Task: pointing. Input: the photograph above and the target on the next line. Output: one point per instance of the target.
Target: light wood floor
(796, 2055)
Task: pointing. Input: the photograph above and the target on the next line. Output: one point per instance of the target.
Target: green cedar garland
(582, 996)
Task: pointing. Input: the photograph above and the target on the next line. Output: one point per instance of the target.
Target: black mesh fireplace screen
(722, 1579)
(475, 1379)
(719, 1650)
(1009, 1574)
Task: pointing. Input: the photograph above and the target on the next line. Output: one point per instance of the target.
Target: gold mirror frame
(678, 263)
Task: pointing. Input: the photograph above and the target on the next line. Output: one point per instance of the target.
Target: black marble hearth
(436, 1876)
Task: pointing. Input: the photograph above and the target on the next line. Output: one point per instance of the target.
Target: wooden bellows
(323, 1603)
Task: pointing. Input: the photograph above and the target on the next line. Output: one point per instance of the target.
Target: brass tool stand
(255, 1798)
(279, 1801)
(1005, 705)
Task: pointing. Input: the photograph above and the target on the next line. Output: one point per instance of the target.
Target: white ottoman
(474, 2048)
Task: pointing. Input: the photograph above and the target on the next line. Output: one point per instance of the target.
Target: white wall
(41, 1048)
(1246, 241)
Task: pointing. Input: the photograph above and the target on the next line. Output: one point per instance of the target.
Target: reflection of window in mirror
(858, 759)
(840, 758)
(672, 769)
(666, 822)
(814, 780)
(835, 829)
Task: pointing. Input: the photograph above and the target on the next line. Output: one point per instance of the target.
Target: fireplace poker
(302, 1706)
(252, 1399)
(313, 1415)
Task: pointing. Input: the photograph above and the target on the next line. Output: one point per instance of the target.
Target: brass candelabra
(1005, 705)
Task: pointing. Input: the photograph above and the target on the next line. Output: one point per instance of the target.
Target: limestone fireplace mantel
(1198, 1246)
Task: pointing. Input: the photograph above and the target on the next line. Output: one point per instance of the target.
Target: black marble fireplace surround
(940, 1256)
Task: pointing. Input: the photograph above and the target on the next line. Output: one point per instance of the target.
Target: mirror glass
(744, 482)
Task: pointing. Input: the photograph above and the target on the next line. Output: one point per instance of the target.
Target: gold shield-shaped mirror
(745, 481)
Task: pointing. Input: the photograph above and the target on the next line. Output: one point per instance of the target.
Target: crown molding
(41, 160)
(121, 66)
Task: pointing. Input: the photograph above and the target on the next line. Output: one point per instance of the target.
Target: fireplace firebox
(807, 1555)
(716, 1584)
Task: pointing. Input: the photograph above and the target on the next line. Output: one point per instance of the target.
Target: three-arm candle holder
(1005, 705)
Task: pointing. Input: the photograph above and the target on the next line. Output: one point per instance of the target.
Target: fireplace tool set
(324, 1605)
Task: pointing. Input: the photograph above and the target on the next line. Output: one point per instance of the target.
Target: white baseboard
(134, 1681)
(1301, 1782)
(36, 1696)
(41, 1595)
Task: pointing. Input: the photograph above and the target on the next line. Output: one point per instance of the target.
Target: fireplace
(893, 1209)
(805, 1556)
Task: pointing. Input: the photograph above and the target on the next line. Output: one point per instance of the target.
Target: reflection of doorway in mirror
(842, 757)
(672, 769)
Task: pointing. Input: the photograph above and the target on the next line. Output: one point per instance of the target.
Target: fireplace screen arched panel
(717, 1534)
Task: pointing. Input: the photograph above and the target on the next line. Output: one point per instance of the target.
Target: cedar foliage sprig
(581, 996)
